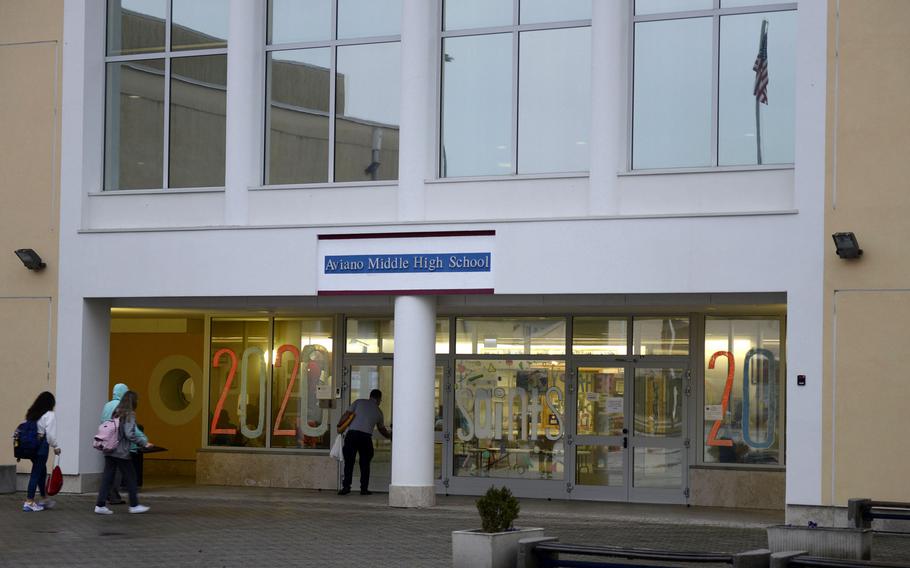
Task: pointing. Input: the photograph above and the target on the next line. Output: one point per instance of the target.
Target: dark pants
(125, 467)
(356, 442)
(39, 472)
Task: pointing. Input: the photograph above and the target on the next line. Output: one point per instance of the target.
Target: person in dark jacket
(119, 459)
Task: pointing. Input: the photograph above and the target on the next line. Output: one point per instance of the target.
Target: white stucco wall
(745, 231)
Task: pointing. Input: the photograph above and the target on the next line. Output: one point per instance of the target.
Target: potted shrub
(495, 545)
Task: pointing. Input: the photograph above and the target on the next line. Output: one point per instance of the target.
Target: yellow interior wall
(134, 356)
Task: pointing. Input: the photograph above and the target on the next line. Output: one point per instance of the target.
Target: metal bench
(549, 553)
(861, 512)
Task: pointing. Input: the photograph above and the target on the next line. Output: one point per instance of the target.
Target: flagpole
(761, 39)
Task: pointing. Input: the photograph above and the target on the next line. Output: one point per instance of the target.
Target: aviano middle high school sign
(440, 262)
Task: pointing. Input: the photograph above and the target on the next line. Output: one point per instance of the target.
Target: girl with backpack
(42, 412)
(119, 458)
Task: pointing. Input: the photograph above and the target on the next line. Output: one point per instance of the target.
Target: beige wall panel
(871, 396)
(24, 359)
(872, 129)
(30, 20)
(28, 165)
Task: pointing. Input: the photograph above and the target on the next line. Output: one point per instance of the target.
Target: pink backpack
(108, 437)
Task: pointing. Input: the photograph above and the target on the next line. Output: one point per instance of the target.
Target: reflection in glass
(658, 403)
(238, 379)
(370, 336)
(134, 125)
(599, 336)
(515, 336)
(663, 6)
(739, 45)
(509, 419)
(292, 21)
(599, 465)
(660, 336)
(657, 468)
(198, 99)
(553, 121)
(367, 108)
(600, 402)
(672, 94)
(477, 106)
(135, 26)
(442, 336)
(365, 378)
(368, 18)
(199, 24)
(302, 354)
(747, 427)
(464, 14)
(298, 119)
(541, 11)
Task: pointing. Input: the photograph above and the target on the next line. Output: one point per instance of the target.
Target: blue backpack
(26, 441)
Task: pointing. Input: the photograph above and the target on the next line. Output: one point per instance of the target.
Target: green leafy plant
(497, 508)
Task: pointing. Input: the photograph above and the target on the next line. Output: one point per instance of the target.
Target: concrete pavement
(240, 526)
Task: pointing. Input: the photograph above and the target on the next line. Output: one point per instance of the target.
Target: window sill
(121, 192)
(519, 177)
(334, 185)
(705, 170)
(740, 467)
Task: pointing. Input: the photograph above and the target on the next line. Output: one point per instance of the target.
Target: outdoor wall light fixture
(30, 259)
(847, 245)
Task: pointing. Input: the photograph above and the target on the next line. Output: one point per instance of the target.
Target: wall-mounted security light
(30, 259)
(847, 245)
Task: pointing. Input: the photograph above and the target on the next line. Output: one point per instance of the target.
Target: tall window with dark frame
(166, 93)
(332, 91)
(713, 83)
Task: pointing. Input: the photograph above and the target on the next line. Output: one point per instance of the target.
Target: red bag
(55, 479)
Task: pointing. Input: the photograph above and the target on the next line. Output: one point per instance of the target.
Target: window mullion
(166, 134)
(333, 62)
(715, 89)
(515, 56)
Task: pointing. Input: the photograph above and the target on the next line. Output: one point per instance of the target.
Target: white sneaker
(139, 509)
(48, 503)
(103, 510)
(32, 507)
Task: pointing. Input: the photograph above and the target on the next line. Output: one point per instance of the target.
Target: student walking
(107, 412)
(359, 439)
(42, 413)
(119, 458)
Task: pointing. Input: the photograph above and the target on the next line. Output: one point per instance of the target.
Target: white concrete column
(412, 402)
(243, 135)
(609, 103)
(417, 146)
(83, 339)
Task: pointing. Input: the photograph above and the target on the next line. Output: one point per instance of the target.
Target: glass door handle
(625, 442)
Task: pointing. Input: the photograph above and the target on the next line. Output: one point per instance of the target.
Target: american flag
(761, 66)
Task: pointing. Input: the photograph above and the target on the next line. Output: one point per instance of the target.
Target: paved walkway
(239, 526)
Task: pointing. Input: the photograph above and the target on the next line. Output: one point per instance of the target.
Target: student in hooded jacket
(42, 411)
(119, 459)
(117, 393)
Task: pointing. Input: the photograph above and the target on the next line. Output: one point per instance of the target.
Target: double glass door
(629, 441)
(364, 377)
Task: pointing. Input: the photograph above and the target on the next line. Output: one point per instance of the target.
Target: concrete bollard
(526, 556)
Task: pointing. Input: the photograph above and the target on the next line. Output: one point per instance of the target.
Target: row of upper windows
(712, 85)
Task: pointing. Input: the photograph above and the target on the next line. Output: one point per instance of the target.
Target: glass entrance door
(364, 378)
(630, 437)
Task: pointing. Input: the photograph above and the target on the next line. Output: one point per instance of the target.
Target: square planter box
(828, 542)
(477, 549)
